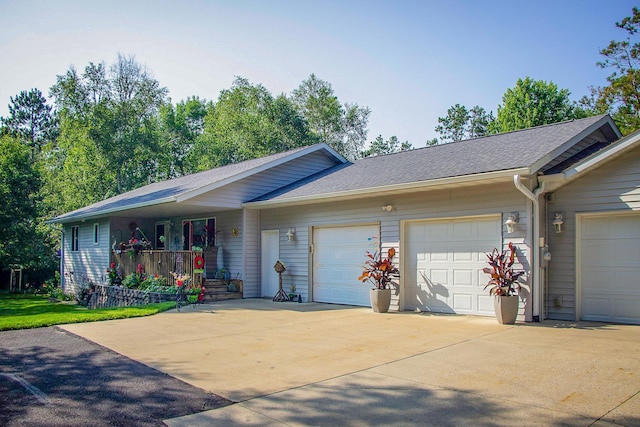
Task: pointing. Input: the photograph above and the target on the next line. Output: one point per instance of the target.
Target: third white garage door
(444, 261)
(338, 257)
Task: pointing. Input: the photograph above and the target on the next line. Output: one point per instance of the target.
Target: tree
(533, 103)
(344, 128)
(392, 145)
(118, 106)
(245, 123)
(621, 98)
(19, 185)
(180, 126)
(479, 122)
(462, 123)
(31, 119)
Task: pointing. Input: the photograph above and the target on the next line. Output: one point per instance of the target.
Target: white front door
(609, 260)
(270, 250)
(444, 261)
(338, 256)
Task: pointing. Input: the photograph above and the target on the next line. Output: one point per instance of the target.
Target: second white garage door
(338, 256)
(610, 268)
(444, 262)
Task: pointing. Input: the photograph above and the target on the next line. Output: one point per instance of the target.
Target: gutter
(534, 237)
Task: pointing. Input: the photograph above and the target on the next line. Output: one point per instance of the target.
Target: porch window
(162, 236)
(198, 232)
(96, 234)
(74, 238)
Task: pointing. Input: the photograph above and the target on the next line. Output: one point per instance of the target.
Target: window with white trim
(96, 234)
(75, 235)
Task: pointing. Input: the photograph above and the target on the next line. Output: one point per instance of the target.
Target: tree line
(112, 128)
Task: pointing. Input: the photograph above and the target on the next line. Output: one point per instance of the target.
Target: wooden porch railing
(163, 263)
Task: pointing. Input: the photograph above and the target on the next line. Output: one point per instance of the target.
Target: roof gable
(188, 187)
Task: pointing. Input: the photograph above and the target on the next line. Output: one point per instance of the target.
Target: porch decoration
(198, 264)
(281, 295)
(381, 272)
(503, 284)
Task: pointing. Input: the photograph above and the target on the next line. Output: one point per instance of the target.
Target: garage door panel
(462, 277)
(485, 305)
(462, 302)
(444, 261)
(610, 268)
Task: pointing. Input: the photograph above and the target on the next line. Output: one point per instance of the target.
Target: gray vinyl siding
(234, 194)
(251, 257)
(91, 260)
(613, 187)
(231, 245)
(468, 201)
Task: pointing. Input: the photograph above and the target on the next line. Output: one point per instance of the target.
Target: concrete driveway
(319, 364)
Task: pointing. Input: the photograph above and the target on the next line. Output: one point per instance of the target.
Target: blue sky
(406, 60)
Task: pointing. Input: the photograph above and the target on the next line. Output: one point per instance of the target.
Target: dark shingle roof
(519, 149)
(173, 188)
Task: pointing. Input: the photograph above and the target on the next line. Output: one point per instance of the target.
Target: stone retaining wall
(115, 296)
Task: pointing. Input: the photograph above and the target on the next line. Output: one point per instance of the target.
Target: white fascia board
(206, 188)
(102, 213)
(404, 187)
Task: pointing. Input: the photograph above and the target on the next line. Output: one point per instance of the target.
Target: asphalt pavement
(51, 377)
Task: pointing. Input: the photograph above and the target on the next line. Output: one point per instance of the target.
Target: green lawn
(19, 311)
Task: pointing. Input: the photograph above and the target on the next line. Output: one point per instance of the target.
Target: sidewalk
(320, 364)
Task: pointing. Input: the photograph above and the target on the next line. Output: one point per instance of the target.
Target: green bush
(133, 280)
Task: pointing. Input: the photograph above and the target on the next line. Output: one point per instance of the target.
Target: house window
(74, 238)
(96, 234)
(198, 232)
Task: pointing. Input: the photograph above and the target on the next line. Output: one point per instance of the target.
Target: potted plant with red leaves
(503, 284)
(380, 272)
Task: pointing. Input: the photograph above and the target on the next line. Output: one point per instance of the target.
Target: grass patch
(19, 311)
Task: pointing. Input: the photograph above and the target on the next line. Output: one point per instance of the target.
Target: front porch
(218, 282)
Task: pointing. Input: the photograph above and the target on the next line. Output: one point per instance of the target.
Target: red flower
(179, 282)
(113, 265)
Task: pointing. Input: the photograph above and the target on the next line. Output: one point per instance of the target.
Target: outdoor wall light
(291, 233)
(387, 208)
(511, 221)
(557, 222)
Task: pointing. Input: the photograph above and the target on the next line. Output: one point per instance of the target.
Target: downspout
(536, 290)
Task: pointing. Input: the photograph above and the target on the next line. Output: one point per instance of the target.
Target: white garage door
(610, 268)
(338, 257)
(444, 264)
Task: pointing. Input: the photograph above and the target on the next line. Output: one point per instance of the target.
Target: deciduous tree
(119, 106)
(533, 103)
(392, 145)
(344, 128)
(463, 123)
